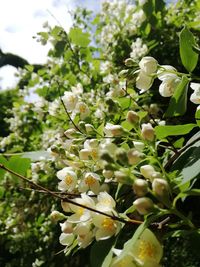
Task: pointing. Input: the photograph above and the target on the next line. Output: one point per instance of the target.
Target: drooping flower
(143, 81)
(195, 97)
(84, 234)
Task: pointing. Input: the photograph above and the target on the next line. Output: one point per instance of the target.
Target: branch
(66, 199)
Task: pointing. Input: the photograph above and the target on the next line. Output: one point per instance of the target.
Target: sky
(20, 20)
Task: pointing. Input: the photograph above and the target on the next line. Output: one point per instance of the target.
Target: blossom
(125, 260)
(143, 81)
(68, 179)
(90, 182)
(66, 239)
(147, 132)
(148, 65)
(84, 234)
(82, 109)
(106, 226)
(147, 249)
(81, 214)
(195, 97)
(169, 84)
(70, 99)
(105, 202)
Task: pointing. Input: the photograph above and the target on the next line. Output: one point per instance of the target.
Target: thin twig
(66, 199)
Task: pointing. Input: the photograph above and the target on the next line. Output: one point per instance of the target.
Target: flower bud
(140, 187)
(147, 171)
(56, 216)
(123, 73)
(132, 117)
(89, 128)
(147, 132)
(138, 145)
(129, 62)
(134, 156)
(143, 205)
(160, 187)
(71, 133)
(122, 177)
(108, 174)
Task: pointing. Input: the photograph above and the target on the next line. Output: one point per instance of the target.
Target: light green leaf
(178, 102)
(163, 131)
(19, 165)
(4, 162)
(78, 37)
(189, 57)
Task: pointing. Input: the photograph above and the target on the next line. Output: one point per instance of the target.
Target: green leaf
(197, 117)
(19, 165)
(78, 37)
(163, 131)
(99, 251)
(148, 8)
(188, 162)
(178, 102)
(189, 57)
(4, 162)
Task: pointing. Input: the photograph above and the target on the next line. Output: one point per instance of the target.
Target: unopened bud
(123, 73)
(140, 187)
(71, 133)
(56, 216)
(132, 117)
(147, 171)
(147, 132)
(143, 205)
(134, 156)
(122, 177)
(89, 128)
(160, 187)
(138, 145)
(107, 174)
(129, 62)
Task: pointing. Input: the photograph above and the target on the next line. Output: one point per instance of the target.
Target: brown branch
(66, 199)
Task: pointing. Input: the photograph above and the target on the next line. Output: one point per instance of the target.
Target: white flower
(195, 97)
(147, 249)
(68, 179)
(148, 65)
(70, 99)
(81, 214)
(85, 234)
(90, 182)
(66, 227)
(82, 109)
(105, 202)
(169, 84)
(147, 132)
(143, 81)
(124, 260)
(106, 226)
(66, 239)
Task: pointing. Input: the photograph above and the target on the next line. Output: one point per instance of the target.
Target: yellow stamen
(108, 224)
(68, 180)
(90, 180)
(146, 250)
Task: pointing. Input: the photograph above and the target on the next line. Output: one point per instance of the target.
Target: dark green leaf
(189, 57)
(163, 131)
(99, 251)
(178, 102)
(197, 117)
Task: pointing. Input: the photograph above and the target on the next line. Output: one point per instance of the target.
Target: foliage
(113, 135)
